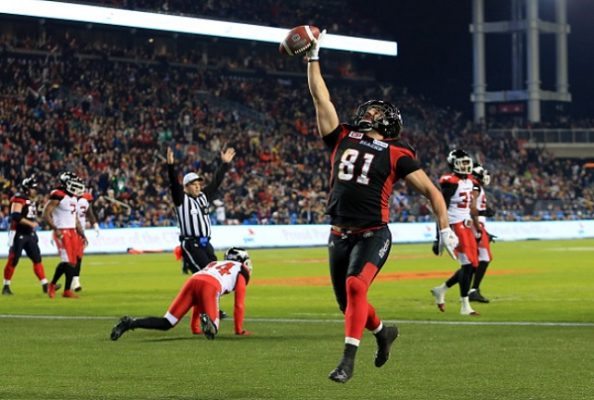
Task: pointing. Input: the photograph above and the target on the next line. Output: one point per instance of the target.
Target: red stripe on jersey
(19, 200)
(449, 178)
(389, 184)
(57, 194)
(88, 196)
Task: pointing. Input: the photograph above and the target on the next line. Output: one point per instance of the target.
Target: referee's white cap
(191, 177)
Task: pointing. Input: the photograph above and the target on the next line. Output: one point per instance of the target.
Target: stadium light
(173, 23)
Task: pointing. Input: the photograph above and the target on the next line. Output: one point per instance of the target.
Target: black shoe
(208, 327)
(344, 371)
(222, 314)
(477, 296)
(78, 289)
(6, 291)
(44, 288)
(384, 339)
(121, 327)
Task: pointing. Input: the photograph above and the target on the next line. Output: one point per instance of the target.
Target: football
(298, 40)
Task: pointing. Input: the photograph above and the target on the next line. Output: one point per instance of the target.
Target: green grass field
(534, 341)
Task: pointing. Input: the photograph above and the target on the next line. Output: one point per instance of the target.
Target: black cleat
(208, 327)
(385, 338)
(124, 325)
(78, 289)
(6, 290)
(222, 314)
(344, 371)
(476, 295)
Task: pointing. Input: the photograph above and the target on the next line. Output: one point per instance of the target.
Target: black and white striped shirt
(193, 212)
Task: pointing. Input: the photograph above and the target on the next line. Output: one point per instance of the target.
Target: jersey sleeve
(210, 189)
(448, 185)
(239, 308)
(334, 137)
(177, 192)
(18, 199)
(57, 194)
(406, 165)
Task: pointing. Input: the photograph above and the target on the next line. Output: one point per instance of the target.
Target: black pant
(197, 254)
(29, 243)
(349, 252)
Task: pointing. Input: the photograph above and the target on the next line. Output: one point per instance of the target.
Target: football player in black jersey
(22, 236)
(366, 159)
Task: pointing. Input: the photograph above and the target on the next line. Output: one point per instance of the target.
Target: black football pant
(197, 256)
(29, 243)
(350, 252)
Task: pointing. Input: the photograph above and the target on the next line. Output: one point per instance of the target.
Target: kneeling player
(202, 291)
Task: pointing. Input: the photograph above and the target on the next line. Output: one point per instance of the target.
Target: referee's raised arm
(227, 156)
(177, 192)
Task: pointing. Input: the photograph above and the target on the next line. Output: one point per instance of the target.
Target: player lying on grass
(202, 291)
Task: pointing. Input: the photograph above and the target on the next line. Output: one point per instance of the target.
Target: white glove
(449, 241)
(312, 53)
(96, 228)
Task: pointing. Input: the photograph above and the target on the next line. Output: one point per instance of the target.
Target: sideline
(317, 321)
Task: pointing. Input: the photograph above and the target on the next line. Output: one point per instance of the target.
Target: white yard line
(317, 321)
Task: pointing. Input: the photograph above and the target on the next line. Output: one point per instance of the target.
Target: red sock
(355, 315)
(373, 321)
(39, 271)
(9, 268)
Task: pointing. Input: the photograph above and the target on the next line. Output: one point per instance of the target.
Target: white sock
(465, 302)
(353, 341)
(43, 281)
(7, 282)
(75, 282)
(379, 328)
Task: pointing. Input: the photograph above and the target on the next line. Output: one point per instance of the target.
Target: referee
(191, 207)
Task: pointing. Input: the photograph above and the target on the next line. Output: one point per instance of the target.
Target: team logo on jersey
(356, 135)
(380, 143)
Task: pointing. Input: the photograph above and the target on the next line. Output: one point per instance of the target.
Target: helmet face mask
(76, 187)
(387, 119)
(460, 162)
(482, 174)
(240, 255)
(72, 183)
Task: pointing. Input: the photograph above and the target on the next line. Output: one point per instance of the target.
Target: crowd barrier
(263, 236)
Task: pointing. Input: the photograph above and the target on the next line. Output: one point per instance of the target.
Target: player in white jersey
(84, 209)
(458, 191)
(202, 291)
(60, 214)
(483, 179)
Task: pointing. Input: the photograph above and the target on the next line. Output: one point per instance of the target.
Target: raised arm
(326, 115)
(177, 192)
(227, 156)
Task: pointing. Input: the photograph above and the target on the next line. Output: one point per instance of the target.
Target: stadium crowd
(108, 115)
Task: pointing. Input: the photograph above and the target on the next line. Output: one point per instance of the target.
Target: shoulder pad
(19, 198)
(449, 178)
(403, 145)
(57, 194)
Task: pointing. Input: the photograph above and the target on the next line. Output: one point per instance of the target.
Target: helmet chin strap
(364, 125)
